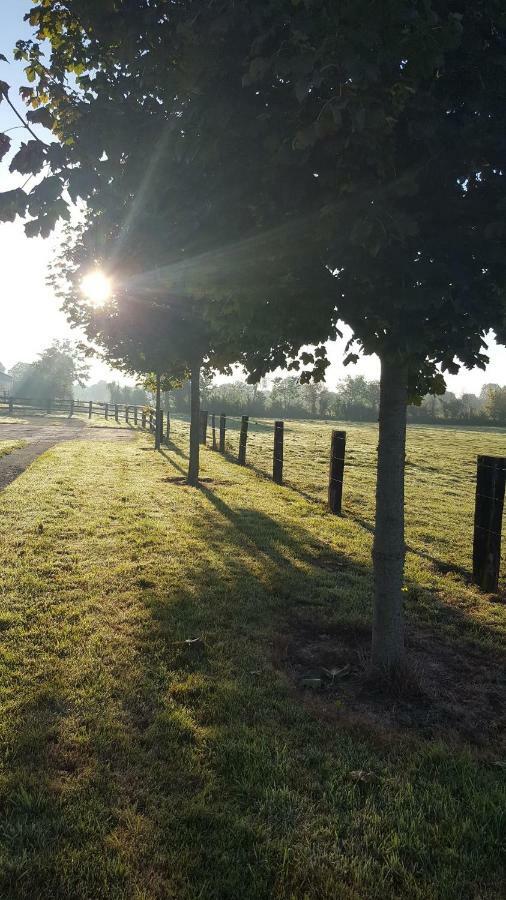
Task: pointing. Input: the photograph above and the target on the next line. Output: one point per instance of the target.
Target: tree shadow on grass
(197, 769)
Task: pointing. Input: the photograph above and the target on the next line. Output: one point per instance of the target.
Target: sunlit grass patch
(7, 447)
(153, 742)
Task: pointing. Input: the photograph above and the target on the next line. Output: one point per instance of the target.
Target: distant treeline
(60, 371)
(355, 399)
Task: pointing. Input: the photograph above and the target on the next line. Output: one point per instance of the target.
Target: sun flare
(96, 287)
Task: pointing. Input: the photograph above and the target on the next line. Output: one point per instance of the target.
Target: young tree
(349, 147)
(495, 406)
(398, 109)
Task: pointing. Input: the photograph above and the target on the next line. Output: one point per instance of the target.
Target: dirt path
(40, 438)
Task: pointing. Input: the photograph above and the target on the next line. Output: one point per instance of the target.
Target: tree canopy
(302, 162)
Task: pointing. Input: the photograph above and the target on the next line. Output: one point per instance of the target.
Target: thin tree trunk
(157, 416)
(193, 465)
(389, 548)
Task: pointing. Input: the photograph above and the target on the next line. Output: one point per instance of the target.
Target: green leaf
(44, 194)
(12, 204)
(41, 116)
(29, 159)
(5, 143)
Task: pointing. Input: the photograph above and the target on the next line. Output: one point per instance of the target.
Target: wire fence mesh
(440, 486)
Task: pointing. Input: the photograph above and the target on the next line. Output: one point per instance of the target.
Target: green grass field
(7, 447)
(157, 736)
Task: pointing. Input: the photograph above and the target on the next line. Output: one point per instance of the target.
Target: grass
(12, 420)
(7, 447)
(136, 764)
(43, 418)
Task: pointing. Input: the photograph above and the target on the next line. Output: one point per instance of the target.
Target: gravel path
(40, 438)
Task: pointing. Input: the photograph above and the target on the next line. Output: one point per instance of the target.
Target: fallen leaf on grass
(360, 775)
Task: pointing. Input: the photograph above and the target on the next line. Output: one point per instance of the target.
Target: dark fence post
(106, 412)
(71, 410)
(243, 437)
(116, 412)
(135, 415)
(277, 461)
(151, 420)
(127, 413)
(11, 406)
(336, 471)
(490, 484)
(143, 418)
(159, 428)
(90, 409)
(213, 427)
(223, 427)
(48, 406)
(203, 426)
(167, 436)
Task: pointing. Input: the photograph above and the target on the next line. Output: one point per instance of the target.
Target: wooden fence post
(11, 406)
(243, 437)
(143, 418)
(127, 413)
(106, 411)
(151, 420)
(490, 485)
(336, 471)
(167, 436)
(203, 426)
(48, 406)
(116, 412)
(213, 427)
(159, 428)
(277, 460)
(90, 409)
(223, 426)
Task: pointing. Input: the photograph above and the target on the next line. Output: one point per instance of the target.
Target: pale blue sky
(30, 318)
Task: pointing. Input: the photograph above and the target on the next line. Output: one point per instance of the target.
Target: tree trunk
(157, 416)
(389, 548)
(193, 465)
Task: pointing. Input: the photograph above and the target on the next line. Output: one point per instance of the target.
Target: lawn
(7, 447)
(158, 646)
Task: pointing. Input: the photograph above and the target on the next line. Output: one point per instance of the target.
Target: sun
(96, 287)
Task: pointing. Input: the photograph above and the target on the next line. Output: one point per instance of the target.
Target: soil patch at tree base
(454, 693)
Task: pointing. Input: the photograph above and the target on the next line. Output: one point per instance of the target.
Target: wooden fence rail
(57, 406)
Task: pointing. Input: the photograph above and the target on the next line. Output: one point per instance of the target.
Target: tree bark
(157, 415)
(193, 465)
(389, 547)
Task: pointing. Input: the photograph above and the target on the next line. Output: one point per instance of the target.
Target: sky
(30, 318)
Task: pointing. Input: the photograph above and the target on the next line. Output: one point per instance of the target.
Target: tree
(196, 210)
(382, 102)
(126, 393)
(351, 164)
(53, 374)
(495, 405)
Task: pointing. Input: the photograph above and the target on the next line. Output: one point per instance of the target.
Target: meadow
(185, 711)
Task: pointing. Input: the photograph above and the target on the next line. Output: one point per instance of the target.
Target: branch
(24, 123)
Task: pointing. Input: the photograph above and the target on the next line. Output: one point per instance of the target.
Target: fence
(119, 412)
(316, 470)
(318, 465)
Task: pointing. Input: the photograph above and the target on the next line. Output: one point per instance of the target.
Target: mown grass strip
(138, 764)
